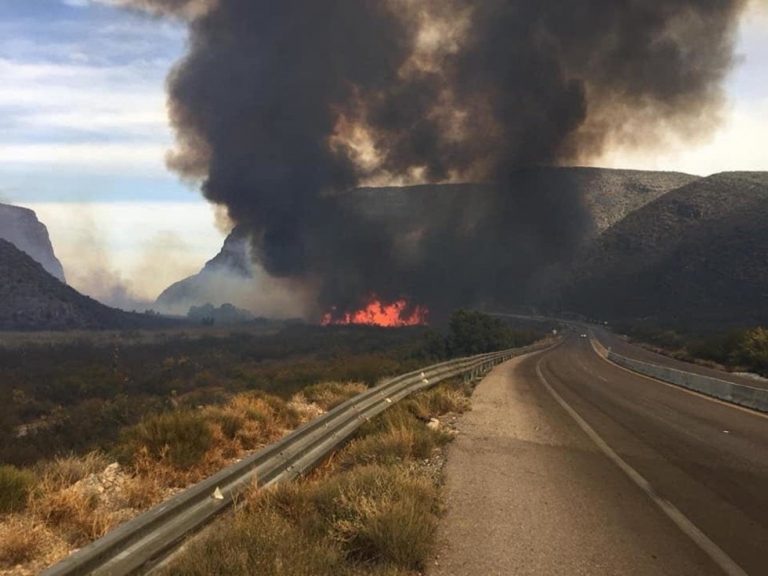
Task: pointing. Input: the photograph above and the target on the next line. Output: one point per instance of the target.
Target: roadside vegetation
(174, 413)
(737, 350)
(372, 508)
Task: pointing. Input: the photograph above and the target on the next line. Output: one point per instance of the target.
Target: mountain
(32, 299)
(697, 255)
(20, 227)
(606, 195)
(223, 277)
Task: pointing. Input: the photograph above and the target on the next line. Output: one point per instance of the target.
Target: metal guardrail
(741, 394)
(136, 545)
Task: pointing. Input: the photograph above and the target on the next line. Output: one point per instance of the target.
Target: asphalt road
(568, 464)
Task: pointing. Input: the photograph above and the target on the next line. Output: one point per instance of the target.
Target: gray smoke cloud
(282, 108)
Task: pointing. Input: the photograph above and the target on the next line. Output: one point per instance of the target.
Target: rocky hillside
(32, 299)
(222, 277)
(696, 255)
(605, 195)
(20, 227)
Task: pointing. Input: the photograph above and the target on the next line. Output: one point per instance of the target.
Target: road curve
(651, 479)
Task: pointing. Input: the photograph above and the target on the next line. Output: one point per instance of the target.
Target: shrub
(15, 486)
(401, 438)
(230, 424)
(752, 351)
(380, 514)
(472, 332)
(328, 395)
(261, 543)
(182, 437)
(19, 542)
(64, 471)
(73, 512)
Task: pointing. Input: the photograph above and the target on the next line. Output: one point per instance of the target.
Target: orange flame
(377, 313)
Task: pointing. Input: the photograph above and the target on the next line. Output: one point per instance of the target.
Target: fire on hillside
(377, 313)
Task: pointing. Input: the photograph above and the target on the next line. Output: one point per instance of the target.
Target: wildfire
(377, 313)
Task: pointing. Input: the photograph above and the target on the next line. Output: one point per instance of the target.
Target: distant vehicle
(583, 335)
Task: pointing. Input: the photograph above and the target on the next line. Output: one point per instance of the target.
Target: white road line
(689, 528)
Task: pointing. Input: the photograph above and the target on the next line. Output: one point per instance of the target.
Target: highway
(569, 464)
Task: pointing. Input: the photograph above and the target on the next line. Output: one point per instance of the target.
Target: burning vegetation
(377, 313)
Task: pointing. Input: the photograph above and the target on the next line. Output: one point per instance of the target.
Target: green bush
(472, 333)
(15, 486)
(752, 351)
(182, 437)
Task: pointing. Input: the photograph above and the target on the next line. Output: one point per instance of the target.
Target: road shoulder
(527, 492)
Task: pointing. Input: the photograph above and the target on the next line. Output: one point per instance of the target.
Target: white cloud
(35, 90)
(120, 159)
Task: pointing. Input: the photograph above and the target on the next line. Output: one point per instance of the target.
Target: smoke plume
(282, 108)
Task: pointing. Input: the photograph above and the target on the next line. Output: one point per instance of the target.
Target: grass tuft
(15, 487)
(240, 547)
(73, 512)
(181, 437)
(20, 542)
(328, 395)
(64, 471)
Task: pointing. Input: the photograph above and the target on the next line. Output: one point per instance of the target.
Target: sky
(84, 133)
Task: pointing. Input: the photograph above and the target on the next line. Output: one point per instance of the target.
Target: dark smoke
(272, 99)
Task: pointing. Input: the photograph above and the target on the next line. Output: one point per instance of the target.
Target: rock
(33, 299)
(433, 424)
(20, 227)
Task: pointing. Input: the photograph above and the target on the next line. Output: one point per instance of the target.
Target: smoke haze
(282, 108)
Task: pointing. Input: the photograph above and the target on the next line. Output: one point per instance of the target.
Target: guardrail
(741, 394)
(138, 544)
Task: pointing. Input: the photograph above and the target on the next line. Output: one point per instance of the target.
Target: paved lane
(708, 458)
(530, 492)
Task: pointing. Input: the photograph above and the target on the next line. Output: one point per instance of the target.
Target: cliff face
(226, 275)
(20, 227)
(32, 299)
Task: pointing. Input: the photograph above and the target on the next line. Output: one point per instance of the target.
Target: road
(568, 464)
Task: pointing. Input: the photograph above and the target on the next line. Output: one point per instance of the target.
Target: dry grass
(328, 395)
(397, 437)
(367, 511)
(20, 542)
(362, 513)
(370, 520)
(380, 514)
(65, 471)
(74, 513)
(180, 437)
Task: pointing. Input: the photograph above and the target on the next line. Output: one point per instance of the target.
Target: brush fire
(377, 313)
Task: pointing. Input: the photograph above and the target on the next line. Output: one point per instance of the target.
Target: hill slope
(227, 274)
(697, 255)
(458, 223)
(32, 299)
(20, 227)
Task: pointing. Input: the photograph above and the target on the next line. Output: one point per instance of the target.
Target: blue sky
(84, 129)
(82, 108)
